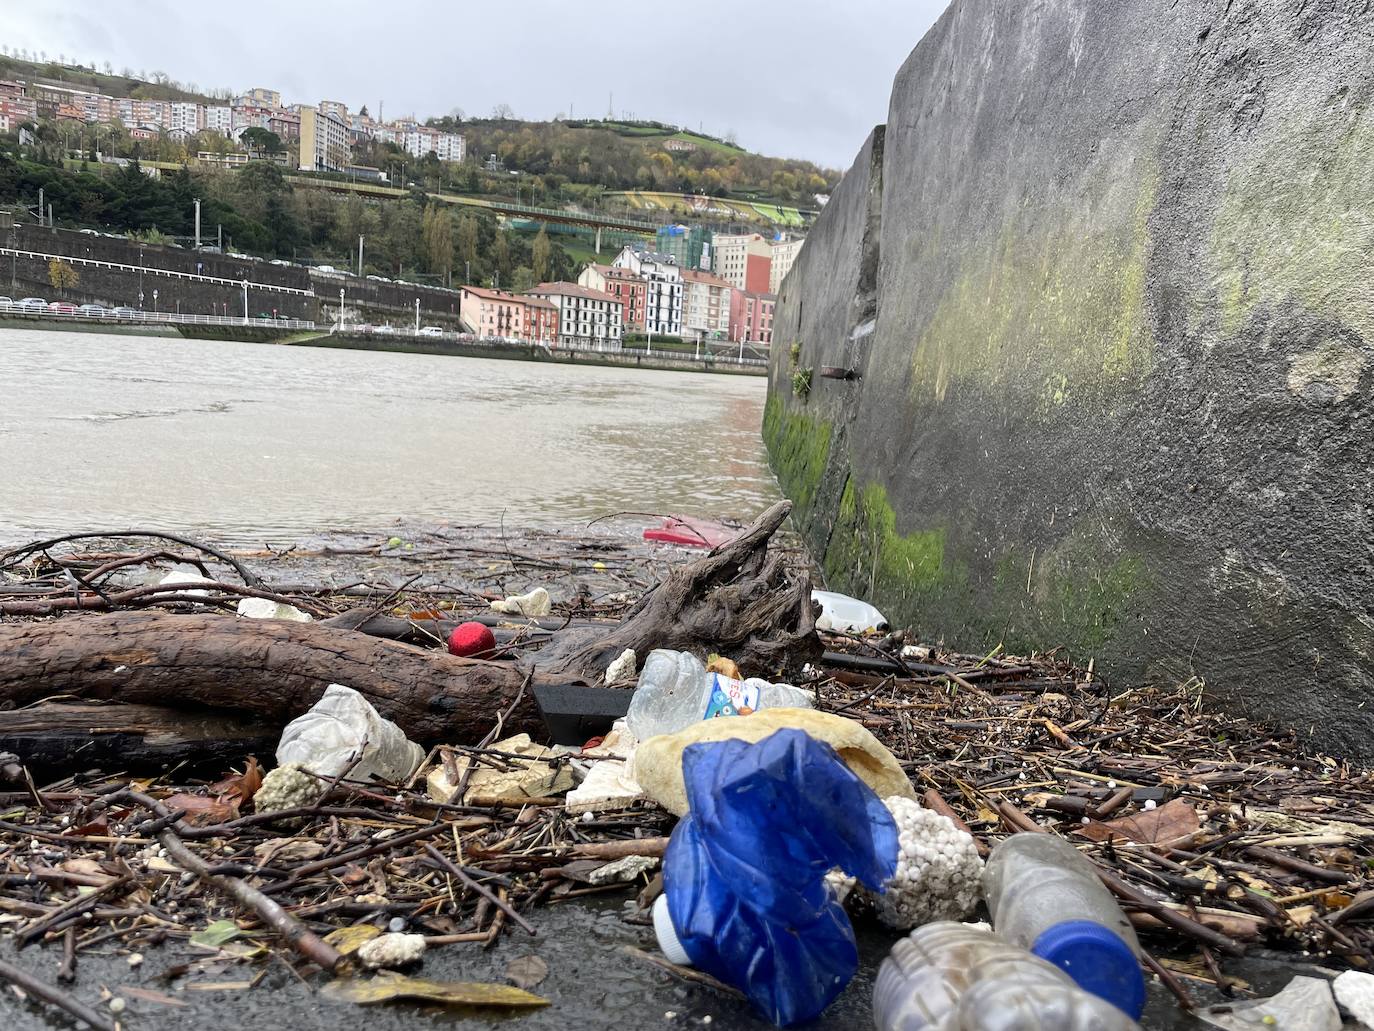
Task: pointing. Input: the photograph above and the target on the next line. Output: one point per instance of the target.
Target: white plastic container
(846, 615)
(675, 691)
(961, 977)
(343, 726)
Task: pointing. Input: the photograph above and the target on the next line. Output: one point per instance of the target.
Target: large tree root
(738, 600)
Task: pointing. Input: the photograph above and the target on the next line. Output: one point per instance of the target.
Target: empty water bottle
(1045, 896)
(961, 977)
(675, 690)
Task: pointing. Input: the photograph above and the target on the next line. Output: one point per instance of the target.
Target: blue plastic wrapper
(744, 872)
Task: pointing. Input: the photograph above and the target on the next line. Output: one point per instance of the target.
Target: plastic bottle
(675, 691)
(1046, 897)
(961, 977)
(745, 896)
(846, 615)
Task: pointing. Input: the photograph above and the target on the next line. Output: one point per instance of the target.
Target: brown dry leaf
(725, 667)
(284, 850)
(95, 827)
(348, 940)
(526, 971)
(580, 870)
(1170, 823)
(200, 811)
(87, 868)
(239, 787)
(386, 987)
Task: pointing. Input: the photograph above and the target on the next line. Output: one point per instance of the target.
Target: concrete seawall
(1105, 281)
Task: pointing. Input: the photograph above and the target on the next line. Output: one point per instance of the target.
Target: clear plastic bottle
(1045, 896)
(961, 977)
(675, 691)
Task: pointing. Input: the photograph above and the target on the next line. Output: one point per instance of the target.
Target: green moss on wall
(798, 449)
(1077, 597)
(1053, 312)
(1296, 223)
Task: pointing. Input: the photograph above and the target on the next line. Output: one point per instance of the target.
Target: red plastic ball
(470, 639)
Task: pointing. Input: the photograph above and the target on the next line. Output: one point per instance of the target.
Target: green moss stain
(798, 450)
(1053, 312)
(1296, 223)
(1077, 597)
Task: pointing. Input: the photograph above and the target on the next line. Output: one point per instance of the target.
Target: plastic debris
(744, 894)
(287, 787)
(532, 775)
(343, 727)
(939, 873)
(622, 668)
(846, 615)
(1355, 991)
(184, 576)
(610, 783)
(391, 950)
(265, 608)
(622, 870)
(535, 603)
(658, 761)
(1045, 896)
(948, 976)
(468, 639)
(1305, 1004)
(675, 691)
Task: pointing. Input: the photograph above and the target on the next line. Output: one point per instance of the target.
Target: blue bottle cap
(1097, 960)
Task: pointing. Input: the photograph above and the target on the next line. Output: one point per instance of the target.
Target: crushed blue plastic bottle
(744, 872)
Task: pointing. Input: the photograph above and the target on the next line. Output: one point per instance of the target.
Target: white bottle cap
(667, 934)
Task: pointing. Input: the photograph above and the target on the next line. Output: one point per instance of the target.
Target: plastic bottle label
(730, 698)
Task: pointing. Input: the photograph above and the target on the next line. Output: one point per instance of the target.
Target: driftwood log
(162, 682)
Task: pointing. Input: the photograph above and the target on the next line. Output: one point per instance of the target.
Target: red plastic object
(690, 533)
(470, 639)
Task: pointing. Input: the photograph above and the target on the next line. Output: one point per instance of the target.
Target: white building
(585, 316)
(146, 114)
(185, 117)
(420, 140)
(784, 254)
(705, 306)
(219, 118)
(743, 260)
(663, 298)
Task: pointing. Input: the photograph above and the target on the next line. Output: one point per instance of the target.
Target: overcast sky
(792, 78)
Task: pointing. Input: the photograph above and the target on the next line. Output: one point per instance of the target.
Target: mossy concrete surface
(1101, 293)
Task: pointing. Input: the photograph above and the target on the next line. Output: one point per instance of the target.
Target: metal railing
(497, 343)
(235, 284)
(109, 317)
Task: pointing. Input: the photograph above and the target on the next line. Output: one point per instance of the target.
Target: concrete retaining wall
(1118, 395)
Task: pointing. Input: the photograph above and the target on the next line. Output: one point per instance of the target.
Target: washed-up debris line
(1219, 837)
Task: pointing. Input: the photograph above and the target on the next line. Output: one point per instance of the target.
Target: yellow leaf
(385, 988)
(348, 940)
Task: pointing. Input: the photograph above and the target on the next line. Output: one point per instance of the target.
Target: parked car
(431, 331)
(92, 311)
(62, 308)
(280, 261)
(33, 304)
(6, 302)
(379, 279)
(90, 232)
(124, 313)
(386, 329)
(328, 269)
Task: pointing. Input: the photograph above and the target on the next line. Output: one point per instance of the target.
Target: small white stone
(670, 1014)
(116, 1004)
(1111, 784)
(1086, 821)
(391, 950)
(136, 959)
(706, 1019)
(587, 817)
(1149, 804)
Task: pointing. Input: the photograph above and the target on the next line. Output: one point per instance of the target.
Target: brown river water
(253, 441)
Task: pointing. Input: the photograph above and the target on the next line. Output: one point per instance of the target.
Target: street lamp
(341, 306)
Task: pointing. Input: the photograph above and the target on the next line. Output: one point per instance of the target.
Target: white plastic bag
(844, 614)
(339, 726)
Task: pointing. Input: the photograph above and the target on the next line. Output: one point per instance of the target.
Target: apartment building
(663, 294)
(622, 284)
(323, 141)
(585, 316)
(751, 317)
(286, 124)
(541, 320)
(15, 111)
(742, 260)
(705, 306)
(184, 117)
(336, 108)
(259, 97)
(419, 141)
(491, 313)
(689, 246)
(145, 114)
(784, 254)
(219, 119)
(65, 102)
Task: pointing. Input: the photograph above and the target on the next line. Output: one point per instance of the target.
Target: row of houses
(747, 261)
(321, 134)
(640, 292)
